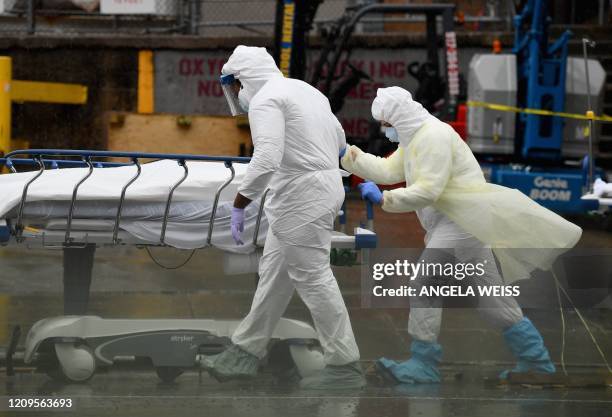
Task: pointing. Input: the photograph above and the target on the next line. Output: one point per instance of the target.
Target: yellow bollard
(146, 82)
(26, 91)
(5, 103)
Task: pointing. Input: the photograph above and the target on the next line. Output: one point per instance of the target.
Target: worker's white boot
(336, 377)
(232, 363)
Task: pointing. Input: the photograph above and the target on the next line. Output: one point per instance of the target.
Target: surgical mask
(243, 101)
(391, 134)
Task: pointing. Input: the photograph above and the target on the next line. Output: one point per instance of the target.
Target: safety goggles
(231, 87)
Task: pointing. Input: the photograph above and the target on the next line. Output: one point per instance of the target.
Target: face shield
(231, 88)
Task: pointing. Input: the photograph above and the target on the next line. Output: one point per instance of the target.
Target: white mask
(391, 134)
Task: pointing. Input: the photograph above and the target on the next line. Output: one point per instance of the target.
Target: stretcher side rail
(43, 158)
(87, 159)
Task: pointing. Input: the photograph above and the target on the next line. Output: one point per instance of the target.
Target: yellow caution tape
(589, 115)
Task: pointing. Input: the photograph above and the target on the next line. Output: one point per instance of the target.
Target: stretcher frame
(78, 341)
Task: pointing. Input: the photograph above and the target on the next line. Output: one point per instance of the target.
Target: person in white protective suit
(466, 219)
(297, 141)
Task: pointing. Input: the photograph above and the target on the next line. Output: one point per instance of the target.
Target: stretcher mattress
(105, 184)
(107, 209)
(179, 234)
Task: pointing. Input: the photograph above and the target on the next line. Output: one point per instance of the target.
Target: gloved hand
(369, 191)
(342, 152)
(237, 225)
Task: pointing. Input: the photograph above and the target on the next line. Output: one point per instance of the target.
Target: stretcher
(48, 208)
(79, 200)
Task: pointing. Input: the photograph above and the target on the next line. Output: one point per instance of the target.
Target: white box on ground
(158, 7)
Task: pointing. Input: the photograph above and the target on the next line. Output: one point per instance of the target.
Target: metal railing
(39, 158)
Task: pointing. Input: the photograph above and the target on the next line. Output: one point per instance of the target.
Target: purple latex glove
(369, 191)
(342, 152)
(237, 225)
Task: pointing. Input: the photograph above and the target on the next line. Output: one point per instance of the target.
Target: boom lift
(536, 154)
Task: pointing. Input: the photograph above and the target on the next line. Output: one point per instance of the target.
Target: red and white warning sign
(452, 63)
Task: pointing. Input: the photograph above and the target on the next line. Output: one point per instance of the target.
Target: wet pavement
(126, 283)
(141, 394)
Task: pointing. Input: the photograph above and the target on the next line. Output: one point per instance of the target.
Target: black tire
(48, 363)
(281, 364)
(168, 373)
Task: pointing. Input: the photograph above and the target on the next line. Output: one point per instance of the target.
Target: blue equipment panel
(558, 191)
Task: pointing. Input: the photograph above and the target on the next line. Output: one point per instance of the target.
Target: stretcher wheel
(71, 363)
(281, 364)
(293, 361)
(168, 373)
(308, 359)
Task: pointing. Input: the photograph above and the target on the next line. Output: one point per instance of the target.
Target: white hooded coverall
(461, 213)
(296, 140)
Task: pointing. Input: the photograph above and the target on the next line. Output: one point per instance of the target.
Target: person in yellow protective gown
(464, 217)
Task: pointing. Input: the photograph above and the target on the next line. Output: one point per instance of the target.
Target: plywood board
(206, 135)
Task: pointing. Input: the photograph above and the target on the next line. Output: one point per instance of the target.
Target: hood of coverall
(253, 66)
(395, 106)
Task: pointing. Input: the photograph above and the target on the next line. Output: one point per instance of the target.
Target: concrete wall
(108, 67)
(187, 81)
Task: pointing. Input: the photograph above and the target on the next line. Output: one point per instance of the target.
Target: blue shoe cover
(421, 368)
(527, 345)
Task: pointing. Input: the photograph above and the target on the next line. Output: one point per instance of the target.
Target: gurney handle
(122, 199)
(370, 214)
(167, 212)
(87, 160)
(24, 195)
(228, 164)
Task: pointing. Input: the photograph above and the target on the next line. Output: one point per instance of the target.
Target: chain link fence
(218, 18)
(93, 16)
(211, 18)
(244, 17)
